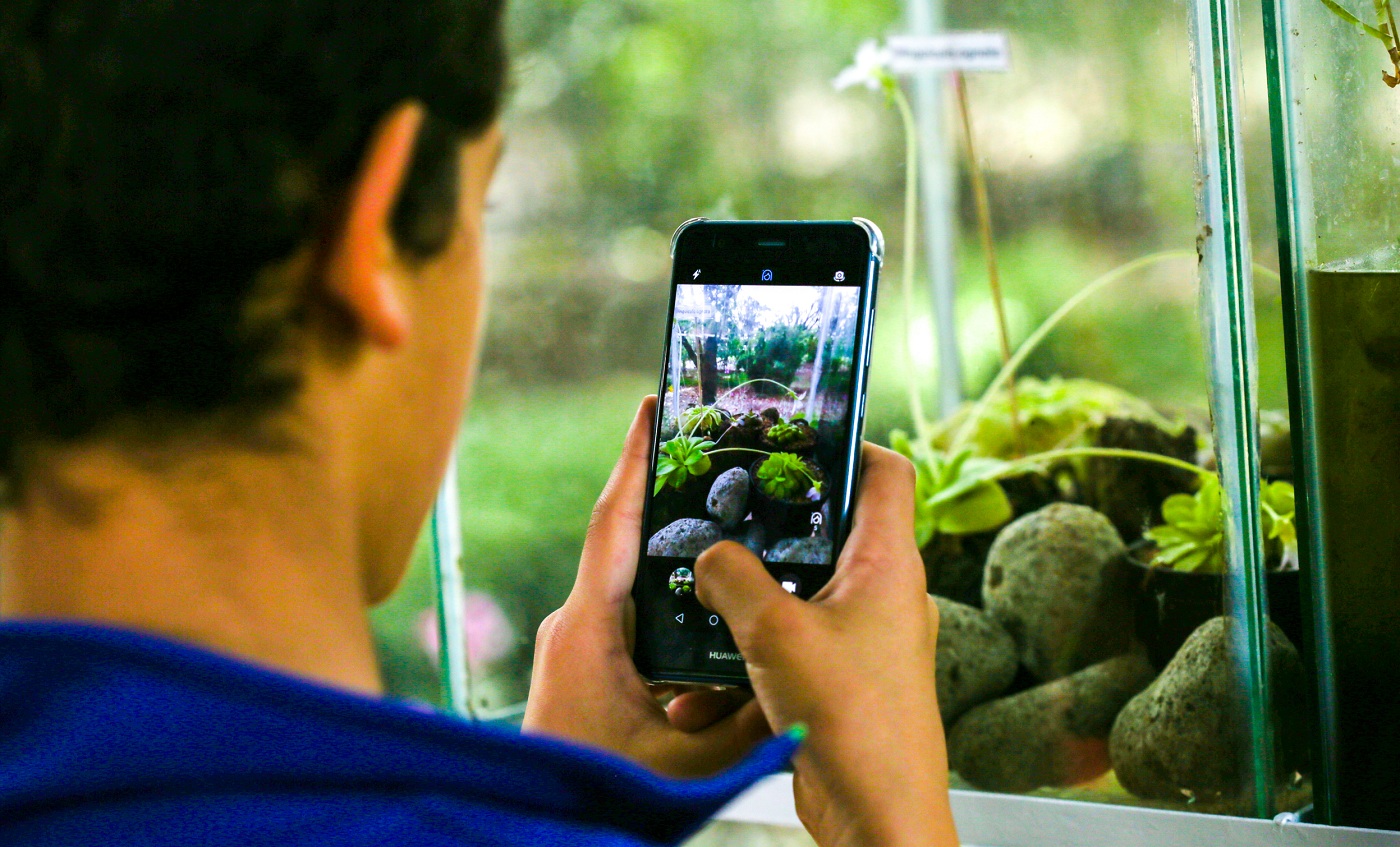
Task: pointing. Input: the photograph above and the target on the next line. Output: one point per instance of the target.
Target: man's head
(253, 224)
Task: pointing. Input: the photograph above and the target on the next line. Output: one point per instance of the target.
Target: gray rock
(802, 551)
(1056, 581)
(1055, 734)
(976, 659)
(751, 534)
(1184, 738)
(687, 537)
(728, 502)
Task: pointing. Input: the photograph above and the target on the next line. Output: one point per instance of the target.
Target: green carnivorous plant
(787, 476)
(681, 458)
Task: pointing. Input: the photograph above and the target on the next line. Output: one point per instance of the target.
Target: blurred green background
(629, 116)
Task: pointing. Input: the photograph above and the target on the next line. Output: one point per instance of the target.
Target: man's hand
(855, 664)
(585, 686)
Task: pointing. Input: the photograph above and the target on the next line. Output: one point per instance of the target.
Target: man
(240, 294)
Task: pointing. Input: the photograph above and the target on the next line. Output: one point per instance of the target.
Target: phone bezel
(736, 234)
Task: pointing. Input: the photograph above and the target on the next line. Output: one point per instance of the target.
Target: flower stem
(791, 393)
(738, 450)
(1031, 462)
(911, 189)
(1028, 346)
(984, 231)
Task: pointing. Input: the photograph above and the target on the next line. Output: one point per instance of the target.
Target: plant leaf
(1179, 508)
(984, 507)
(1342, 13)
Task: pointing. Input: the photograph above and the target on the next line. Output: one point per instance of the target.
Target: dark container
(1171, 604)
(785, 518)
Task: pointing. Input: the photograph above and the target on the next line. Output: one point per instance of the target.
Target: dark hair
(157, 156)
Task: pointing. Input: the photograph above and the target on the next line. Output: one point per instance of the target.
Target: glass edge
(1317, 655)
(1228, 312)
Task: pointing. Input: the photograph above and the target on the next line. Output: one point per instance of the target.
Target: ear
(363, 265)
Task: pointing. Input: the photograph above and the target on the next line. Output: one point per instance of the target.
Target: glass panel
(1109, 553)
(1336, 123)
(406, 634)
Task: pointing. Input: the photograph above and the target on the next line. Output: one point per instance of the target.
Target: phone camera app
(754, 421)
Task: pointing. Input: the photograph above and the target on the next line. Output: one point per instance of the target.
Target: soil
(954, 564)
(803, 444)
(1130, 492)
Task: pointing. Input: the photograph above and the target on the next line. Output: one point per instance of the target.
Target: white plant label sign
(949, 51)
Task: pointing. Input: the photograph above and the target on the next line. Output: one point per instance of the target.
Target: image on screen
(755, 421)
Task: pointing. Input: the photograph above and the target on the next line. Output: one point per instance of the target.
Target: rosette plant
(682, 458)
(787, 476)
(1193, 535)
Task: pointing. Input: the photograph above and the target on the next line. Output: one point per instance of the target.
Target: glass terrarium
(1104, 551)
(1336, 121)
(1065, 348)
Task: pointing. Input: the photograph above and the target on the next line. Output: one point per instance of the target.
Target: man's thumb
(730, 580)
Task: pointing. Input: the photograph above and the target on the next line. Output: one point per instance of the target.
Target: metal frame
(1008, 820)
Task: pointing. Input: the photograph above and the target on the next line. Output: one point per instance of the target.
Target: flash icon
(695, 275)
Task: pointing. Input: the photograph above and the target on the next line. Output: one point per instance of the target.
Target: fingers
(609, 561)
(730, 580)
(692, 711)
(880, 554)
(884, 513)
(707, 751)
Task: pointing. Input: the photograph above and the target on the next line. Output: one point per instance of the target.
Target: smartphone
(758, 428)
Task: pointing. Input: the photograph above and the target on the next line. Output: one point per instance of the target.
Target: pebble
(750, 534)
(1055, 734)
(976, 658)
(812, 550)
(685, 538)
(728, 502)
(1186, 735)
(1055, 580)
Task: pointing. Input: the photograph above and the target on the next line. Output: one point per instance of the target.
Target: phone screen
(757, 434)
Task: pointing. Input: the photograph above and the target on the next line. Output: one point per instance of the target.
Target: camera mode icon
(840, 276)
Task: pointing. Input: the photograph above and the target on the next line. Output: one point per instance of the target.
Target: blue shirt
(112, 738)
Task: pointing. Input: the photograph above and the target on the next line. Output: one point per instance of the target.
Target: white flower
(871, 68)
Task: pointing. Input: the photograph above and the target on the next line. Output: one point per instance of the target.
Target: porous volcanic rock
(750, 534)
(801, 551)
(728, 501)
(1185, 737)
(687, 537)
(976, 658)
(1056, 581)
(1055, 734)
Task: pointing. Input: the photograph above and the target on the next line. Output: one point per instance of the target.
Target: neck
(263, 569)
